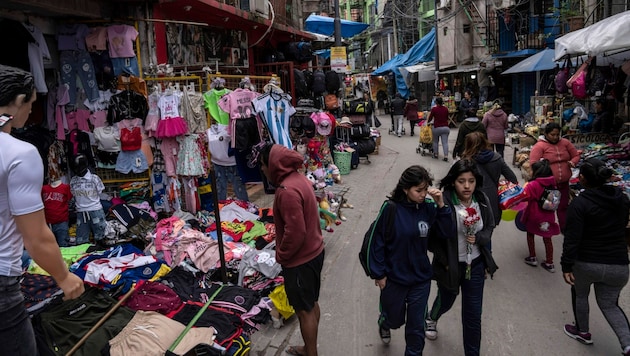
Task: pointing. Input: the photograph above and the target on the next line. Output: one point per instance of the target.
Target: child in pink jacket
(537, 220)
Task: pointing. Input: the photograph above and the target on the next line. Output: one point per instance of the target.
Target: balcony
(530, 31)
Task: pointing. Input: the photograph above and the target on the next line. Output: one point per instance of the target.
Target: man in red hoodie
(299, 240)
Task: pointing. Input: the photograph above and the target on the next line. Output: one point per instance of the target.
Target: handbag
(331, 101)
(377, 122)
(561, 78)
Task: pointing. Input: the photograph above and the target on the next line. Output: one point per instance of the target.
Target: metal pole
(437, 49)
(395, 37)
(217, 219)
(337, 25)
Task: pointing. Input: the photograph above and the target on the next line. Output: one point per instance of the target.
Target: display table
(452, 119)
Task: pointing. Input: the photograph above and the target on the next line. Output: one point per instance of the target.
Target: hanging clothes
(153, 116)
(133, 83)
(193, 112)
(189, 157)
(171, 123)
(131, 158)
(37, 52)
(211, 99)
(276, 109)
(127, 105)
(238, 104)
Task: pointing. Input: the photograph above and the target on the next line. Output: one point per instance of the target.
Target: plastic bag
(510, 194)
(279, 298)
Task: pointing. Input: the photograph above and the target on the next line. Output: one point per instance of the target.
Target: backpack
(301, 89)
(319, 82)
(332, 82)
(550, 199)
(331, 101)
(300, 51)
(364, 255)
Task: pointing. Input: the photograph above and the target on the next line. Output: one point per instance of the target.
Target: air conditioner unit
(503, 4)
(259, 7)
(443, 4)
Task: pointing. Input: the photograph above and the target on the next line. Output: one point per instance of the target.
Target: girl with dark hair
(462, 263)
(595, 252)
(399, 263)
(562, 156)
(537, 220)
(439, 118)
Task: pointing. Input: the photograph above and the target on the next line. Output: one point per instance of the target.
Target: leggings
(607, 281)
(440, 133)
(548, 247)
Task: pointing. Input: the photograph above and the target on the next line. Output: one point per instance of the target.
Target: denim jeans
(230, 174)
(400, 301)
(90, 221)
(61, 233)
(79, 63)
(126, 65)
(472, 301)
(16, 332)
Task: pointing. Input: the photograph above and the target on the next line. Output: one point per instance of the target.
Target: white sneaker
(430, 332)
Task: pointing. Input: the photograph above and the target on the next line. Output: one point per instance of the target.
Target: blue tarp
(326, 26)
(422, 51)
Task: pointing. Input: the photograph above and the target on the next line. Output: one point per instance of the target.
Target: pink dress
(171, 123)
(153, 116)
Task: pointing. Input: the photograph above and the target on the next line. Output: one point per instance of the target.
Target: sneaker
(548, 266)
(445, 159)
(532, 261)
(399, 135)
(574, 333)
(386, 335)
(430, 332)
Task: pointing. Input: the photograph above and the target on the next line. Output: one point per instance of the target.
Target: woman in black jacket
(595, 252)
(463, 262)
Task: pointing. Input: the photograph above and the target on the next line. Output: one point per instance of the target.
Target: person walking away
(411, 113)
(603, 119)
(299, 241)
(539, 221)
(462, 263)
(562, 156)
(22, 219)
(438, 116)
(491, 166)
(398, 112)
(596, 253)
(483, 81)
(468, 103)
(470, 124)
(399, 264)
(369, 109)
(496, 123)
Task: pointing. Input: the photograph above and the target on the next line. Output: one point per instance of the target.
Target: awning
(516, 54)
(326, 26)
(422, 51)
(324, 53)
(542, 60)
(219, 14)
(462, 69)
(426, 71)
(608, 35)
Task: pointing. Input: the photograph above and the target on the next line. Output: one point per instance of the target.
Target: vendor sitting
(603, 119)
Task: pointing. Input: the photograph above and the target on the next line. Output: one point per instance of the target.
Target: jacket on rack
(127, 105)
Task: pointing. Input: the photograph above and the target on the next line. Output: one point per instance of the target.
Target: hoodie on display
(596, 228)
(295, 209)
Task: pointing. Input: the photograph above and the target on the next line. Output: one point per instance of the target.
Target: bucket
(342, 161)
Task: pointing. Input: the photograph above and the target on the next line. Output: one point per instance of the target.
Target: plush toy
(320, 177)
(311, 177)
(326, 214)
(334, 173)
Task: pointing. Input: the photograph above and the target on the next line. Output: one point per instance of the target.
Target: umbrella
(326, 26)
(542, 60)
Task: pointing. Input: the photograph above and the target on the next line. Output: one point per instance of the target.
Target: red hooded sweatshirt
(295, 209)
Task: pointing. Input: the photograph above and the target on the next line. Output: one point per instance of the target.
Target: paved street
(525, 308)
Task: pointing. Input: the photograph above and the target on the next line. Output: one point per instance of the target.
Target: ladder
(479, 24)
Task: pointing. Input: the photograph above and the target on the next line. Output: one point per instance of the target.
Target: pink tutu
(171, 127)
(151, 124)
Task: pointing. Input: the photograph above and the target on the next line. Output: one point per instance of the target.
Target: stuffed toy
(325, 213)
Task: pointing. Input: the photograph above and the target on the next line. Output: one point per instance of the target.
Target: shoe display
(574, 333)
(548, 266)
(430, 331)
(531, 260)
(386, 335)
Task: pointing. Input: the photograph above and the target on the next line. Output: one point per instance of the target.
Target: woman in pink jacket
(562, 156)
(495, 121)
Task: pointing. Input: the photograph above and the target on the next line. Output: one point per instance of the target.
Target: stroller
(425, 139)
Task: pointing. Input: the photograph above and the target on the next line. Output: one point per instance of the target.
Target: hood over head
(282, 162)
(605, 195)
(484, 156)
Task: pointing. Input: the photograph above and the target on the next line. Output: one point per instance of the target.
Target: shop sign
(583, 140)
(338, 59)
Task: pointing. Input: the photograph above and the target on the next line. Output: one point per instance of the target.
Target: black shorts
(302, 283)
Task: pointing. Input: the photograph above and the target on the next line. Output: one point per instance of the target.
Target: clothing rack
(232, 80)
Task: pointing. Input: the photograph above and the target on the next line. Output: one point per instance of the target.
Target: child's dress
(537, 220)
(153, 117)
(189, 160)
(171, 123)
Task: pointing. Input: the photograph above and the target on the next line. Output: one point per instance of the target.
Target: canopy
(611, 34)
(542, 60)
(426, 71)
(422, 51)
(326, 26)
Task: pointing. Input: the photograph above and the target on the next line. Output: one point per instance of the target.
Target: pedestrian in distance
(411, 113)
(470, 124)
(299, 241)
(399, 264)
(537, 220)
(468, 103)
(438, 116)
(496, 123)
(562, 156)
(595, 252)
(398, 112)
(491, 166)
(22, 219)
(462, 263)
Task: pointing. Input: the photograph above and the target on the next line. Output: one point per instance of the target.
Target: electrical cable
(273, 17)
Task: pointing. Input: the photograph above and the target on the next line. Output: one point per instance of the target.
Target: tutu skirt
(171, 127)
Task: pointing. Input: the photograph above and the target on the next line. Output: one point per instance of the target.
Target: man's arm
(42, 247)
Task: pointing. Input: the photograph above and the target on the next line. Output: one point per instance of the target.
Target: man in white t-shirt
(22, 220)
